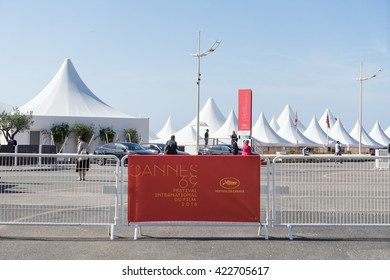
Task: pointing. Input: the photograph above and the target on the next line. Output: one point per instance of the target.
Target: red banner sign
(194, 188)
(245, 111)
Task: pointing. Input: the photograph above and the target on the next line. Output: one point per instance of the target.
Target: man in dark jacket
(171, 146)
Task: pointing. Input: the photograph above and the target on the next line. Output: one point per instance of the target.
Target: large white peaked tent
(67, 99)
(67, 95)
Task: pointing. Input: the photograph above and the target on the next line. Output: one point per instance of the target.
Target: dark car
(120, 150)
(158, 148)
(221, 149)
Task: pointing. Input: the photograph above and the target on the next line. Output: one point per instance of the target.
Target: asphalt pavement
(26, 242)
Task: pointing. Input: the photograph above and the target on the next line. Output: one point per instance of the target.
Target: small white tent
(290, 132)
(288, 113)
(338, 133)
(209, 117)
(326, 117)
(366, 139)
(263, 133)
(379, 135)
(315, 133)
(226, 129)
(168, 129)
(187, 137)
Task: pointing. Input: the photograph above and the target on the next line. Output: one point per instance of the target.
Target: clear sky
(135, 55)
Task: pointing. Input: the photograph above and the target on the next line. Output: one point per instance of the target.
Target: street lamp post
(199, 55)
(361, 79)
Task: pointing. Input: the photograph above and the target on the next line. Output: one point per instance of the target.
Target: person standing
(246, 149)
(206, 137)
(234, 137)
(82, 165)
(338, 150)
(12, 142)
(170, 147)
(235, 148)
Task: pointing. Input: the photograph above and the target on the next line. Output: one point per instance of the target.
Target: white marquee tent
(67, 99)
(67, 95)
(168, 129)
(338, 133)
(263, 133)
(366, 139)
(315, 133)
(209, 117)
(226, 129)
(288, 113)
(292, 134)
(379, 135)
(323, 123)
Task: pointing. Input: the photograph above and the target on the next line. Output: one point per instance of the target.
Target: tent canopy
(67, 95)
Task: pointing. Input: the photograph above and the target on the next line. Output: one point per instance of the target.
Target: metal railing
(330, 191)
(40, 189)
(315, 190)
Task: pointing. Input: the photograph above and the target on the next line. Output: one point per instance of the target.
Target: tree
(131, 135)
(83, 130)
(15, 122)
(107, 134)
(59, 132)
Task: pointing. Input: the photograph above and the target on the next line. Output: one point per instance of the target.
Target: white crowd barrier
(43, 189)
(315, 190)
(330, 191)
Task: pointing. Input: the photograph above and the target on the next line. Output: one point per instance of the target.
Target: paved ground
(193, 243)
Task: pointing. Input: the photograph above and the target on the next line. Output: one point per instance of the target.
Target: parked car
(220, 149)
(158, 148)
(120, 150)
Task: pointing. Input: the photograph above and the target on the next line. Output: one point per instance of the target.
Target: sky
(136, 55)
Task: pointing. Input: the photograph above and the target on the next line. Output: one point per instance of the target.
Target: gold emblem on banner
(229, 183)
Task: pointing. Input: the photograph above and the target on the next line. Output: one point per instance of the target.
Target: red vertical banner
(245, 111)
(194, 188)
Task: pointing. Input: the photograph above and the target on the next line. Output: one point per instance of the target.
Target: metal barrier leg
(266, 232)
(136, 232)
(112, 235)
(289, 232)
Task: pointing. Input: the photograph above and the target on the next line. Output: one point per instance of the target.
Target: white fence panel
(341, 191)
(44, 189)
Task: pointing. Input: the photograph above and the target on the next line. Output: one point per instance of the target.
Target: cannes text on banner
(194, 188)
